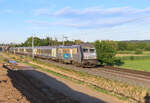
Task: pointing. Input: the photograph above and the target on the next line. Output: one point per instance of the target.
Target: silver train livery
(81, 55)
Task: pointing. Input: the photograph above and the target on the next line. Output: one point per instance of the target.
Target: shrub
(118, 62)
(106, 51)
(132, 57)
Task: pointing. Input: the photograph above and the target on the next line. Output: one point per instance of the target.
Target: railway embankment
(124, 91)
(42, 87)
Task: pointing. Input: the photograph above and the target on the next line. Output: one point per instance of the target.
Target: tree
(106, 51)
(28, 42)
(78, 42)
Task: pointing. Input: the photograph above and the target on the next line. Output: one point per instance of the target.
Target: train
(80, 55)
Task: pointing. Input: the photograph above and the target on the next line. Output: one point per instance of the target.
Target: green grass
(141, 64)
(125, 52)
(145, 53)
(133, 52)
(124, 58)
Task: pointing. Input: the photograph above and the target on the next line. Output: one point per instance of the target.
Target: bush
(118, 62)
(106, 51)
(138, 51)
(132, 57)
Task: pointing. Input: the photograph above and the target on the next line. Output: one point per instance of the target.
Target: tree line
(120, 45)
(48, 41)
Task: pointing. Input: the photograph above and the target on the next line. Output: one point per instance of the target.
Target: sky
(87, 20)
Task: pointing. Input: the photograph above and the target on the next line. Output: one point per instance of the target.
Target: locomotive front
(89, 55)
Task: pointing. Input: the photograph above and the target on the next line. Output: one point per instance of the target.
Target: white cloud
(96, 17)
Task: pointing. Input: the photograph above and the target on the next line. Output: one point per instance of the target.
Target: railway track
(133, 77)
(128, 70)
(136, 74)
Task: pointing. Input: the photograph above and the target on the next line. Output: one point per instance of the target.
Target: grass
(125, 52)
(134, 62)
(124, 58)
(143, 64)
(145, 53)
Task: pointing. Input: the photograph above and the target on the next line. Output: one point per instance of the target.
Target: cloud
(95, 17)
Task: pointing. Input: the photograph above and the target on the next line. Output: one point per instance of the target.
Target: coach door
(54, 52)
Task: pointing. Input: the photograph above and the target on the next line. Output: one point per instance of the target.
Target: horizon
(86, 20)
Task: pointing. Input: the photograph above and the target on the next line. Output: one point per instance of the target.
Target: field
(132, 53)
(143, 65)
(136, 62)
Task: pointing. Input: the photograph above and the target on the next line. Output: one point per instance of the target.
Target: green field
(145, 53)
(143, 64)
(135, 62)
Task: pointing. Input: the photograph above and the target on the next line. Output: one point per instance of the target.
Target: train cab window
(85, 50)
(92, 50)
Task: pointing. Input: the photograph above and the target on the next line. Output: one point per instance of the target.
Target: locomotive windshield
(92, 50)
(85, 50)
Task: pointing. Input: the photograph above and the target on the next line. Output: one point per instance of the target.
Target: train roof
(85, 45)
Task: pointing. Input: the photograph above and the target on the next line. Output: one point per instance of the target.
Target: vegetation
(133, 46)
(141, 64)
(119, 89)
(48, 41)
(138, 51)
(106, 51)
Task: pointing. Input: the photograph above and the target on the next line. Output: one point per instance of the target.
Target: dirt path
(9, 94)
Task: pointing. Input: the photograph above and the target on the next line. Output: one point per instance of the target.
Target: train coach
(81, 55)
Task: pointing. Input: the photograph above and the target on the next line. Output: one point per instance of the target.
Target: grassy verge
(120, 90)
(143, 65)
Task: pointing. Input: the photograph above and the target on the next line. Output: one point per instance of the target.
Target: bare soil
(9, 94)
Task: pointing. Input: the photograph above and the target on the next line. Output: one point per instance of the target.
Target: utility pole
(32, 47)
(63, 41)
(64, 37)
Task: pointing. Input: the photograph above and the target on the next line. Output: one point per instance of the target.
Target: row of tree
(132, 46)
(120, 45)
(48, 41)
